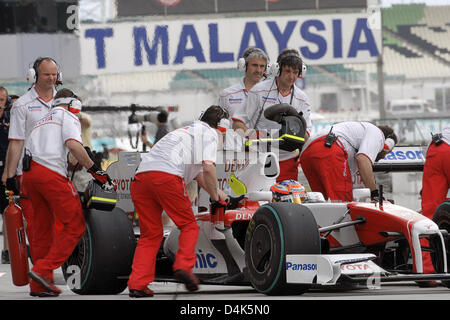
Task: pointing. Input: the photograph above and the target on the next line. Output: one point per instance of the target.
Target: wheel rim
(81, 256)
(261, 249)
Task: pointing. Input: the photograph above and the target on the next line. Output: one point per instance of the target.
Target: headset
(275, 68)
(248, 53)
(32, 73)
(74, 104)
(389, 143)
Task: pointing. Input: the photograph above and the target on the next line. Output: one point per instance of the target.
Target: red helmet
(296, 189)
(280, 193)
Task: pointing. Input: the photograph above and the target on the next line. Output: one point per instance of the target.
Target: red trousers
(327, 170)
(53, 197)
(288, 170)
(152, 192)
(435, 185)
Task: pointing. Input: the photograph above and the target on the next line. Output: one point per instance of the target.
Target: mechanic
(254, 63)
(435, 181)
(160, 184)
(331, 157)
(52, 194)
(25, 112)
(4, 128)
(162, 130)
(281, 89)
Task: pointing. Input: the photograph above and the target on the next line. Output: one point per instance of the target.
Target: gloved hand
(11, 185)
(216, 205)
(375, 195)
(102, 177)
(232, 202)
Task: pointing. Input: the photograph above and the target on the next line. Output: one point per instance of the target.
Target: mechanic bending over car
(331, 157)
(160, 184)
(282, 89)
(52, 194)
(435, 182)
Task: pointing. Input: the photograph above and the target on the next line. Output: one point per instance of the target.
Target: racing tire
(101, 261)
(278, 229)
(442, 218)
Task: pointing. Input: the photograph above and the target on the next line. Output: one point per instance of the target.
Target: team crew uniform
(160, 184)
(25, 112)
(266, 94)
(52, 194)
(233, 98)
(330, 170)
(435, 183)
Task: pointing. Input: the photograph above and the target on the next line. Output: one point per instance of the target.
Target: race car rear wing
(402, 159)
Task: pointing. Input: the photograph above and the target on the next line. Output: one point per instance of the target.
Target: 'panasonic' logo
(301, 266)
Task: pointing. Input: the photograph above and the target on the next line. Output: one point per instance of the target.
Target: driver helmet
(296, 190)
(280, 193)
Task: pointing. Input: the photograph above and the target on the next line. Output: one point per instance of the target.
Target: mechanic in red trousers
(331, 157)
(160, 184)
(52, 194)
(435, 183)
(28, 109)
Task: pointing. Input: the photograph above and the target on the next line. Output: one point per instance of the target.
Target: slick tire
(101, 262)
(278, 229)
(442, 218)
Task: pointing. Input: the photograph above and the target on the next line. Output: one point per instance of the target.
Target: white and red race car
(277, 247)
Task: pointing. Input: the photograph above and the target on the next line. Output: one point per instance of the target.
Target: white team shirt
(233, 98)
(181, 152)
(446, 134)
(265, 94)
(25, 112)
(356, 138)
(47, 140)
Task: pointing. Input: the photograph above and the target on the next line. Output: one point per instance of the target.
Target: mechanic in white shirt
(51, 193)
(332, 156)
(281, 89)
(28, 109)
(254, 63)
(160, 184)
(435, 181)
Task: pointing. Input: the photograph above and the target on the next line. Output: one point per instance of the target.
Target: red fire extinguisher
(15, 232)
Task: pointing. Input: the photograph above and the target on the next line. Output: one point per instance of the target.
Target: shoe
(5, 257)
(44, 294)
(134, 293)
(427, 284)
(190, 281)
(44, 281)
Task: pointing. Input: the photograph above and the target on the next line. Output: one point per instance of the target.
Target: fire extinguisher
(18, 253)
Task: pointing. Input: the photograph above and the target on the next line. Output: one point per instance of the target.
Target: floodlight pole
(380, 87)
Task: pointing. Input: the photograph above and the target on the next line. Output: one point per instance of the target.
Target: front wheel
(442, 218)
(278, 229)
(101, 262)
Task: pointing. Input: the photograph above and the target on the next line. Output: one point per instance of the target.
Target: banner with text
(219, 43)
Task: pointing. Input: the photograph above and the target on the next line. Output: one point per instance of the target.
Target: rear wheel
(101, 262)
(278, 229)
(442, 218)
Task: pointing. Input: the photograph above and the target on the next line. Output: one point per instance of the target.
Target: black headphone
(32, 74)
(243, 62)
(275, 68)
